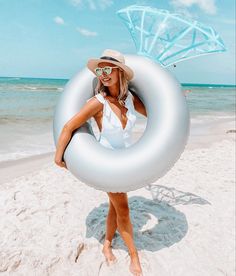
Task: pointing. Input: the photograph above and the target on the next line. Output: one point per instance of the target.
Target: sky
(54, 39)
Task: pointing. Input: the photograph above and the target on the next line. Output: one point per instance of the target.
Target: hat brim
(93, 63)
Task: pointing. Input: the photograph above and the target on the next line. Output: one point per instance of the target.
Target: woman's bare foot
(135, 267)
(107, 252)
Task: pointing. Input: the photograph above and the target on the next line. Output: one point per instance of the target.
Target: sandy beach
(52, 224)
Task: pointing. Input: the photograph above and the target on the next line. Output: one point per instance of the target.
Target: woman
(113, 108)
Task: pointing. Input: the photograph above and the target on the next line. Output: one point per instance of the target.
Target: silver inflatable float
(164, 139)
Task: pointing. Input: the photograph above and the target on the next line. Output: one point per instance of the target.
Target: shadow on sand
(157, 223)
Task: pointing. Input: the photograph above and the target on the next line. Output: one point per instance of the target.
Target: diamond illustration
(168, 37)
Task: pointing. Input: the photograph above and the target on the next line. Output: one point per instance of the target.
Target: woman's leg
(111, 226)
(111, 223)
(120, 203)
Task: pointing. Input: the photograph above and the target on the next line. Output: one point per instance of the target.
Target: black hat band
(109, 58)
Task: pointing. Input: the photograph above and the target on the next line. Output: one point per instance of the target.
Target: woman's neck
(114, 90)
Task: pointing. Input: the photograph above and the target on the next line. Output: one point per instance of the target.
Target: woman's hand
(60, 162)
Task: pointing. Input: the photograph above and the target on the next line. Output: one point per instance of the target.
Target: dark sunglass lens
(107, 70)
(98, 71)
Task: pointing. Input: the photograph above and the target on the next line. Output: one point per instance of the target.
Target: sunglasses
(107, 70)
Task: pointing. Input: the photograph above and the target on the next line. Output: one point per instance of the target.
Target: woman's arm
(139, 106)
(92, 107)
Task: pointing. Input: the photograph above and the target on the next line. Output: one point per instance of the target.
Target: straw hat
(113, 57)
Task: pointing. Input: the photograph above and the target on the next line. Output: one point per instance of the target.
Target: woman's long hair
(100, 88)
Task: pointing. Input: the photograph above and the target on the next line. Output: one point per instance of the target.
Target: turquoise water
(35, 99)
(27, 106)
(211, 99)
(28, 99)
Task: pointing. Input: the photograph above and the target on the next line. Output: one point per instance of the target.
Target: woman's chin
(107, 83)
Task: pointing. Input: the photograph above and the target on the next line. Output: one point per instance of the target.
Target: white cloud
(207, 6)
(92, 4)
(86, 32)
(186, 13)
(59, 20)
(76, 2)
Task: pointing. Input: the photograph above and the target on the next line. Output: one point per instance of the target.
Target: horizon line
(66, 79)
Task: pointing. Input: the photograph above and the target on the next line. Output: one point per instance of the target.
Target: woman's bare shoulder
(138, 105)
(134, 97)
(92, 106)
(96, 100)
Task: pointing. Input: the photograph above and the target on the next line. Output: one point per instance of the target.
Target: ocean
(27, 106)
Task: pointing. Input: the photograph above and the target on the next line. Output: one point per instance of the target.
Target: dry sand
(52, 224)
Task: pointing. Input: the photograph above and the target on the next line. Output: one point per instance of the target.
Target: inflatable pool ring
(163, 141)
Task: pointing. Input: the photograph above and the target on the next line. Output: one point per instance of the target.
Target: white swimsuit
(113, 135)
